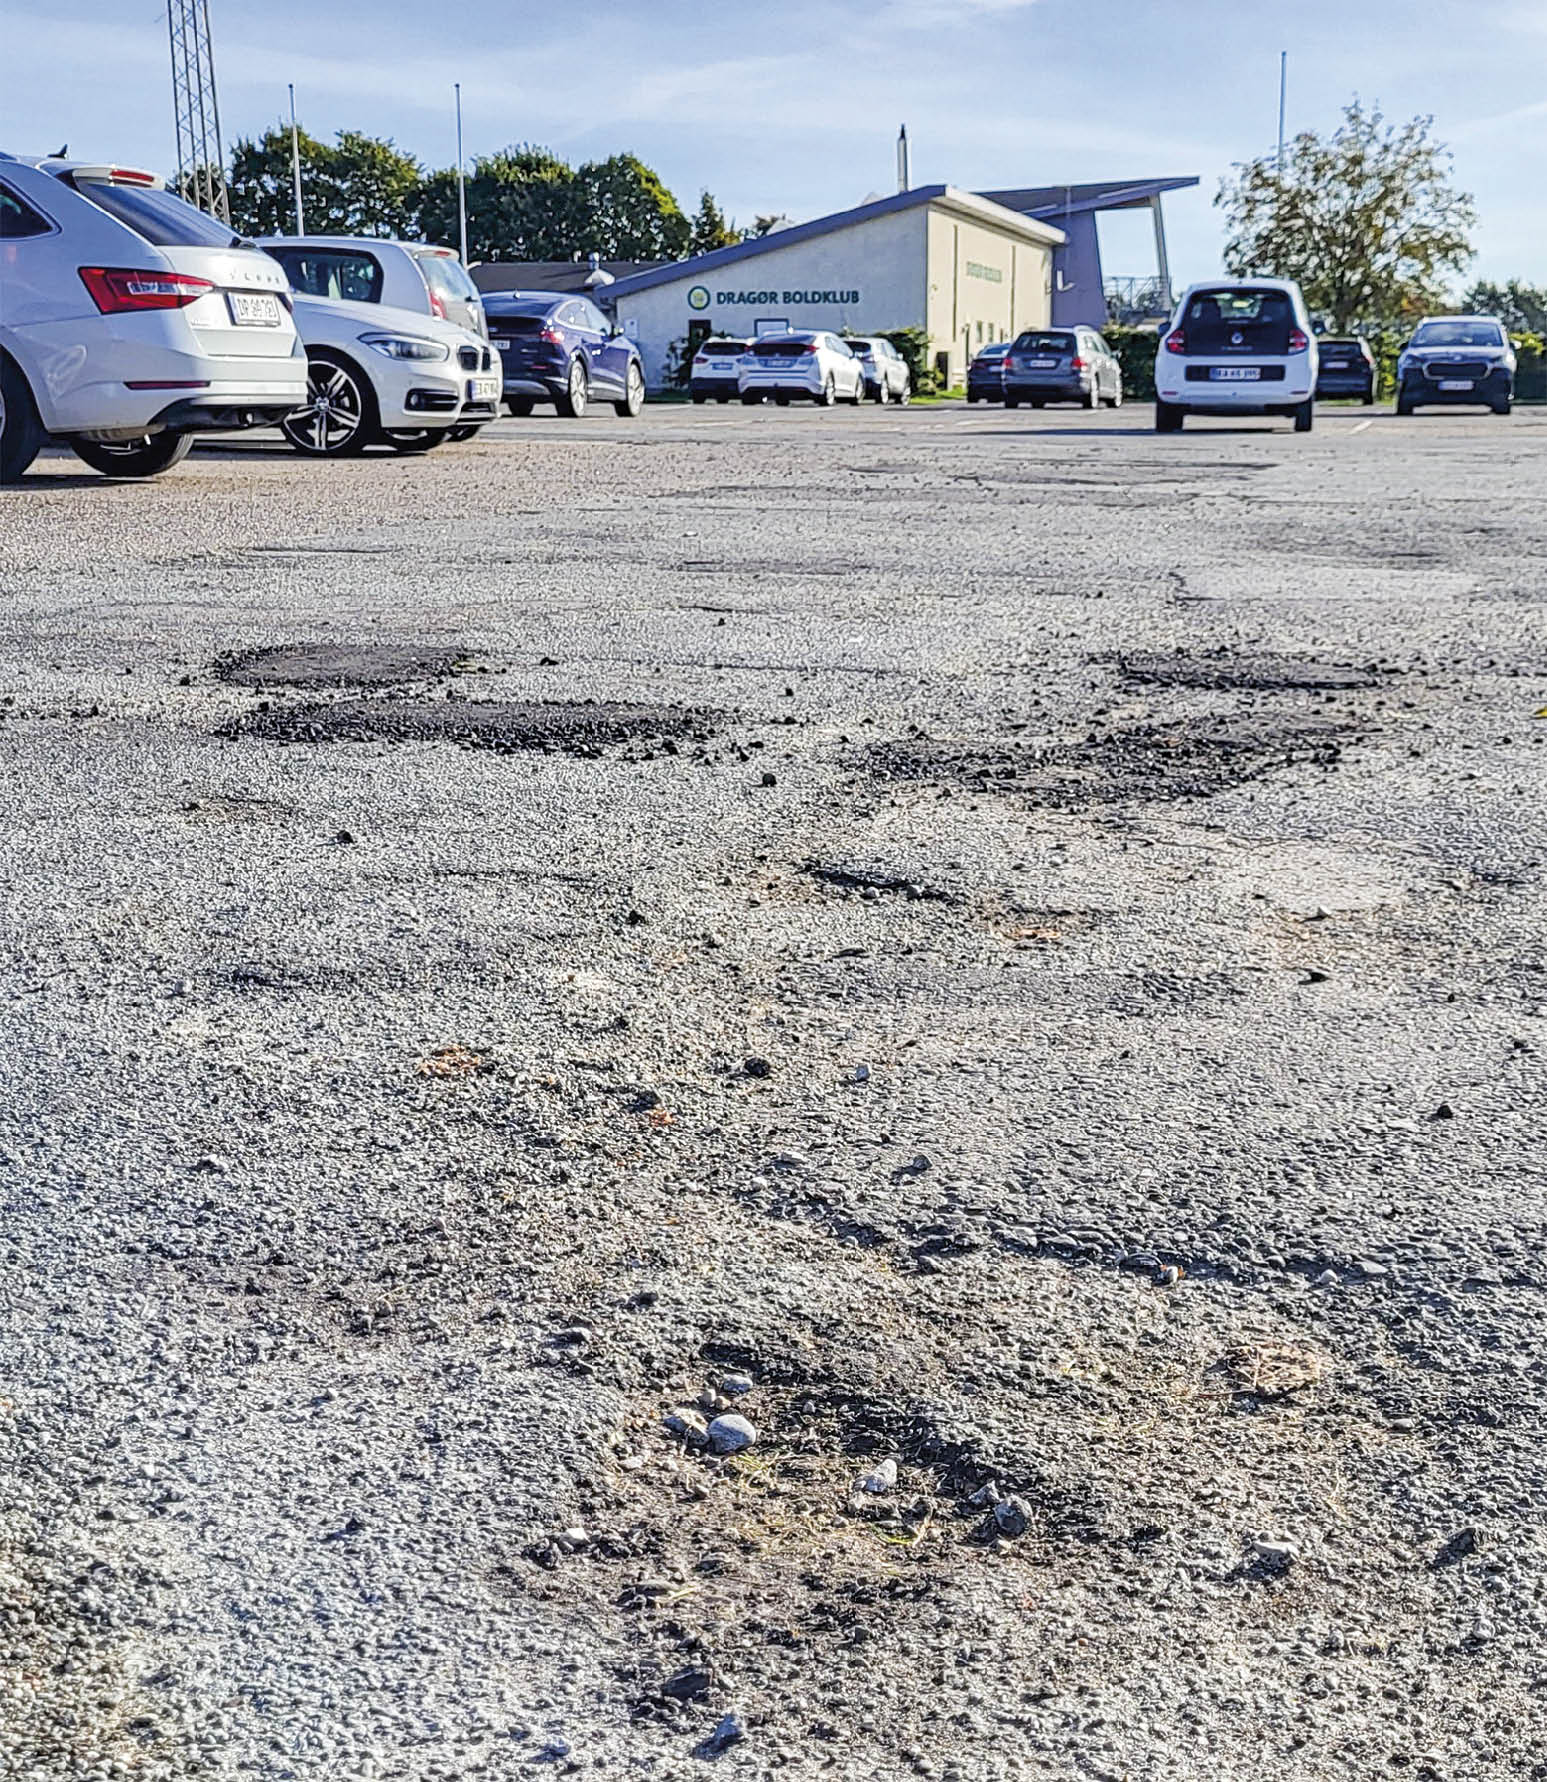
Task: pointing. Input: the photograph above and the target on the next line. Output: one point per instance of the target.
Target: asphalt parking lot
(1007, 945)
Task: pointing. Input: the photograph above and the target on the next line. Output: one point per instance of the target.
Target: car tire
(829, 393)
(1012, 401)
(905, 394)
(972, 398)
(519, 406)
(340, 418)
(412, 440)
(1405, 403)
(577, 392)
(1369, 397)
(883, 393)
(1089, 398)
(858, 398)
(1168, 418)
(1115, 400)
(1503, 406)
(633, 393)
(1305, 415)
(135, 457)
(458, 434)
(781, 402)
(21, 429)
(751, 400)
(701, 400)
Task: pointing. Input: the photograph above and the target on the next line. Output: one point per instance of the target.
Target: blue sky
(795, 108)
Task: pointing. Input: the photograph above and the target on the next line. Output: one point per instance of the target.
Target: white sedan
(814, 367)
(384, 376)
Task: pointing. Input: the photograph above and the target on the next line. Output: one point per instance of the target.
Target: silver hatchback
(1062, 365)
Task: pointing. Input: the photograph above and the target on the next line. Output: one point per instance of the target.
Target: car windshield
(1044, 343)
(158, 216)
(1241, 321)
(1459, 334)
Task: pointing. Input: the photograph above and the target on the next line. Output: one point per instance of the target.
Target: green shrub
(913, 346)
(1135, 350)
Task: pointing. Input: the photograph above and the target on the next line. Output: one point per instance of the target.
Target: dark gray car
(1062, 365)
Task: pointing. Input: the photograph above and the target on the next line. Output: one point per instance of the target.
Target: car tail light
(699, 359)
(552, 336)
(115, 289)
(1297, 341)
(130, 176)
(1076, 363)
(1176, 341)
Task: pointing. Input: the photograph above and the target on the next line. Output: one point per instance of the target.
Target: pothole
(340, 665)
(1258, 674)
(1159, 764)
(573, 727)
(874, 882)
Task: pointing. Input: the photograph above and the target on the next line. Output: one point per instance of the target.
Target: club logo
(698, 298)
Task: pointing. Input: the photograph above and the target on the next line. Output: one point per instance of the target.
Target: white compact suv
(1240, 346)
(129, 321)
(416, 275)
(808, 367)
(397, 377)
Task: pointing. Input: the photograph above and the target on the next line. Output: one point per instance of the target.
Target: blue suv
(562, 350)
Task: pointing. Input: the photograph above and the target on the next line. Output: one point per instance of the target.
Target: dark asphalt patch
(1256, 674)
(340, 665)
(871, 882)
(567, 727)
(1158, 764)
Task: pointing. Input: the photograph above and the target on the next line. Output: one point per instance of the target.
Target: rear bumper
(714, 386)
(1344, 383)
(106, 412)
(1064, 389)
(790, 387)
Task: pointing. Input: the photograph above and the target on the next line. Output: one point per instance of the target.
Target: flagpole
(461, 178)
(295, 165)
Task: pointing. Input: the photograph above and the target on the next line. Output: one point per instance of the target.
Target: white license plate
(722, 365)
(1235, 374)
(1457, 383)
(254, 309)
(483, 389)
(1040, 364)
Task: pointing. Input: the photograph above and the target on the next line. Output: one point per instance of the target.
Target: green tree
(521, 205)
(1522, 308)
(711, 228)
(361, 185)
(1366, 220)
(627, 213)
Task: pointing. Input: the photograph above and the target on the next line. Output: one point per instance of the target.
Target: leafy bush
(913, 346)
(1135, 350)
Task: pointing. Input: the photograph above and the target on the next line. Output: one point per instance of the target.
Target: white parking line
(1361, 427)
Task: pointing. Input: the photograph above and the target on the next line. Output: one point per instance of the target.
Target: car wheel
(1502, 406)
(1404, 405)
(577, 394)
(339, 419)
(829, 392)
(1012, 401)
(781, 402)
(416, 439)
(1168, 418)
(1115, 401)
(458, 434)
(1089, 398)
(147, 456)
(520, 406)
(1369, 397)
(700, 400)
(859, 392)
(1305, 416)
(633, 393)
(883, 393)
(21, 430)
(751, 400)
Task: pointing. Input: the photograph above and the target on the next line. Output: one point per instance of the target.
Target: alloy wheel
(334, 413)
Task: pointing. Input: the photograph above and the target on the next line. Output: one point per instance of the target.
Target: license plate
(483, 389)
(722, 365)
(254, 309)
(1236, 374)
(1456, 383)
(1040, 364)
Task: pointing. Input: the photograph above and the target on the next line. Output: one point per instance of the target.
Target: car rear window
(1044, 343)
(779, 347)
(157, 215)
(1459, 334)
(1238, 321)
(331, 272)
(719, 349)
(504, 308)
(443, 273)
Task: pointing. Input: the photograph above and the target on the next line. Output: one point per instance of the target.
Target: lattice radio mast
(201, 158)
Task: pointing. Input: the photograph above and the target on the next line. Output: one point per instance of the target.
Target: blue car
(562, 350)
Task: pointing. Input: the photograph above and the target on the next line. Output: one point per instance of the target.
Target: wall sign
(699, 299)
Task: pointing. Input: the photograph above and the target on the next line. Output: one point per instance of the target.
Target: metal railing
(1133, 300)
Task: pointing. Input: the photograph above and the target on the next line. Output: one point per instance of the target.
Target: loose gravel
(995, 962)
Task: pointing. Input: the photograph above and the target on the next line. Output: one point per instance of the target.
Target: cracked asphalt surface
(1021, 940)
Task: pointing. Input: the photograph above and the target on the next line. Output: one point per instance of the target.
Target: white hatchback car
(810, 367)
(383, 376)
(129, 321)
(1237, 347)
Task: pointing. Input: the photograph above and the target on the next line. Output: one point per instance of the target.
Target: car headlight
(405, 346)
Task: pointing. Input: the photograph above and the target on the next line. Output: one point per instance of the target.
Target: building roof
(572, 277)
(1104, 194)
(970, 204)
